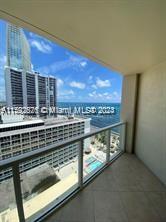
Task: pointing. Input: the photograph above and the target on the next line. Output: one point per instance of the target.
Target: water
(93, 166)
(97, 120)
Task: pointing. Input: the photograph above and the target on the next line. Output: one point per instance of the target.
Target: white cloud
(41, 46)
(114, 97)
(90, 77)
(60, 82)
(83, 63)
(32, 67)
(71, 62)
(106, 94)
(102, 83)
(39, 37)
(93, 94)
(65, 94)
(94, 86)
(110, 97)
(78, 85)
(115, 93)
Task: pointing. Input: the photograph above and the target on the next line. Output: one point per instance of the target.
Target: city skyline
(79, 79)
(24, 87)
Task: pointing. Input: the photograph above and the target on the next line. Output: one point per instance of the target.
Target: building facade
(29, 89)
(18, 49)
(14, 87)
(26, 136)
(24, 87)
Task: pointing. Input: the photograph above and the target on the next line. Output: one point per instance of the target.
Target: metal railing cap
(50, 148)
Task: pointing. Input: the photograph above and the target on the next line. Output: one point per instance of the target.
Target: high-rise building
(25, 88)
(29, 89)
(14, 87)
(18, 49)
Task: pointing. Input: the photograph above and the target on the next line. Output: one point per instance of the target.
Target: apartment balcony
(126, 191)
(30, 193)
(116, 187)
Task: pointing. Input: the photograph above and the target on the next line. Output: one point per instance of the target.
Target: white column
(129, 108)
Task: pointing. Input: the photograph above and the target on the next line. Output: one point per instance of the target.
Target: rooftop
(50, 122)
(22, 123)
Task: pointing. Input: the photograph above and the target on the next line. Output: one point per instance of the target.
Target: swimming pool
(91, 167)
(90, 160)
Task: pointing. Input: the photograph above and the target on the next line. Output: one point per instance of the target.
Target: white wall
(151, 120)
(129, 95)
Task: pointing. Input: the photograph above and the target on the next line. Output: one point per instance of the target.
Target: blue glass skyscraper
(18, 50)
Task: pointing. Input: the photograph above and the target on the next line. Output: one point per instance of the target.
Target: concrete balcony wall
(150, 139)
(128, 110)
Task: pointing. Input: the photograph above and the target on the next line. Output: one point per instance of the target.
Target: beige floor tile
(80, 208)
(108, 206)
(158, 200)
(126, 191)
(138, 207)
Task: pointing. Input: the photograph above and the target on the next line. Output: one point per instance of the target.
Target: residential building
(18, 49)
(22, 137)
(29, 89)
(14, 87)
(24, 87)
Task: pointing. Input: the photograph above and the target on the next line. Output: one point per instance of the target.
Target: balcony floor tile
(126, 191)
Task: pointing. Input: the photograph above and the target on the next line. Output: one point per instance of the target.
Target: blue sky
(79, 79)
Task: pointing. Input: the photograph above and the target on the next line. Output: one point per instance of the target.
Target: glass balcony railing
(49, 182)
(36, 182)
(94, 157)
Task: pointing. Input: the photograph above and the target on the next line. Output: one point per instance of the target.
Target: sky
(79, 79)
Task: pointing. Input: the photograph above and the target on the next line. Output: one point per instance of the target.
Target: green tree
(101, 137)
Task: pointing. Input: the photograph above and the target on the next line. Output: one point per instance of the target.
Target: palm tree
(101, 137)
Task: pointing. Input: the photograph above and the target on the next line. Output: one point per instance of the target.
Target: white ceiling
(126, 35)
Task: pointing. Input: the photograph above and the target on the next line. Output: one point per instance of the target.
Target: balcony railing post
(18, 193)
(108, 146)
(80, 163)
(123, 137)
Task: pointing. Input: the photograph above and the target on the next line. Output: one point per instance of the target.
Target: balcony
(106, 184)
(118, 189)
(56, 172)
(125, 191)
